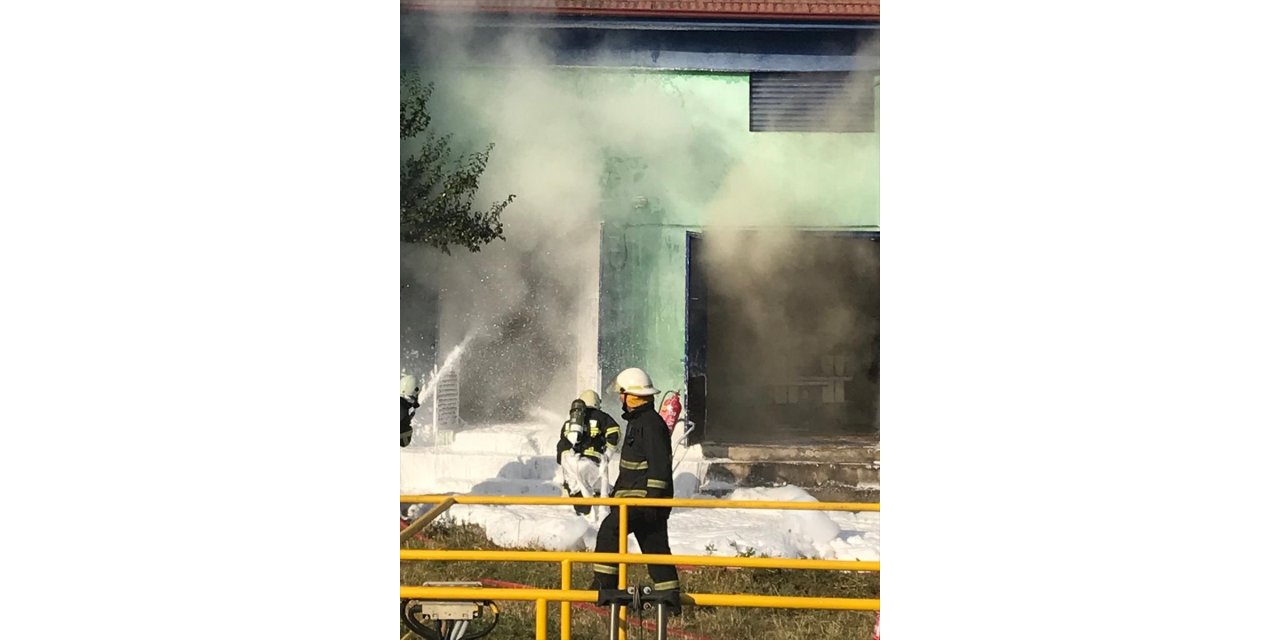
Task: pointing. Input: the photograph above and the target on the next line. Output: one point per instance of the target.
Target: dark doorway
(783, 336)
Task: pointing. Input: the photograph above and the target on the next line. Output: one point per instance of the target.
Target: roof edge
(868, 15)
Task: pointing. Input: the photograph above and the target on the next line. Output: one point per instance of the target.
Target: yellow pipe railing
(565, 595)
(699, 599)
(566, 576)
(610, 558)
(684, 503)
(540, 622)
(426, 519)
(622, 566)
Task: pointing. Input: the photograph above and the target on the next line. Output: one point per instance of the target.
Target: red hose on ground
(651, 626)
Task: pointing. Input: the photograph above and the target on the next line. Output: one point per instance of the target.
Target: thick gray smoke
(536, 295)
(791, 316)
(787, 306)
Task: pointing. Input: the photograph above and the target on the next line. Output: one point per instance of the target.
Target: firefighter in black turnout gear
(644, 471)
(587, 440)
(408, 406)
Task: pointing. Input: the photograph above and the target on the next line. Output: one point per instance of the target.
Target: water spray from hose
(450, 362)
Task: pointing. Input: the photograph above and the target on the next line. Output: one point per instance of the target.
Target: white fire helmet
(591, 398)
(635, 382)
(408, 386)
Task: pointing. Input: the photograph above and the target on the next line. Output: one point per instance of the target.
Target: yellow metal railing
(611, 558)
(684, 503)
(564, 595)
(580, 595)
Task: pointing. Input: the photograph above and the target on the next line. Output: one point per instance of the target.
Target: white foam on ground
(829, 535)
(519, 460)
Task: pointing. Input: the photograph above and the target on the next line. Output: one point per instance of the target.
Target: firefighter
(601, 423)
(644, 471)
(408, 406)
(587, 440)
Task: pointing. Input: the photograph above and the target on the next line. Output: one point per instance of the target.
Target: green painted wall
(738, 178)
(672, 154)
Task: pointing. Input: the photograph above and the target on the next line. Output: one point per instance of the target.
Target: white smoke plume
(556, 143)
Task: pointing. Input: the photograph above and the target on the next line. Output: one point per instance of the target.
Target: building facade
(729, 204)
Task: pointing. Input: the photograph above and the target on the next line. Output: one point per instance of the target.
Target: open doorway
(783, 346)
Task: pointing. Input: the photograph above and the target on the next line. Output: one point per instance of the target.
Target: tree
(437, 190)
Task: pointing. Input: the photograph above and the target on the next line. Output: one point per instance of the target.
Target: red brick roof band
(859, 10)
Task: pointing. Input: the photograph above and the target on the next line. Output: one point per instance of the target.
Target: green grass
(718, 623)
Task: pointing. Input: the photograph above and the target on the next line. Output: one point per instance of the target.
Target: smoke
(565, 143)
(791, 315)
(790, 307)
(537, 292)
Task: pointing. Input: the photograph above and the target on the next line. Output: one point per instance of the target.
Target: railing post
(622, 569)
(566, 575)
(662, 621)
(614, 612)
(541, 619)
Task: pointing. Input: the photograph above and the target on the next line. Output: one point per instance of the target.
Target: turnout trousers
(650, 530)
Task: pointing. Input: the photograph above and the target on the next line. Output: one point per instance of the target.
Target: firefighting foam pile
(519, 460)
(508, 459)
(782, 534)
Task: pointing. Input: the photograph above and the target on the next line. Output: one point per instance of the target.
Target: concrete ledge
(854, 453)
(796, 472)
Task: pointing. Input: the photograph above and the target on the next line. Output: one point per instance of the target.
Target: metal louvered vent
(803, 101)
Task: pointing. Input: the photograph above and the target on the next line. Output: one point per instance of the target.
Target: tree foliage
(437, 190)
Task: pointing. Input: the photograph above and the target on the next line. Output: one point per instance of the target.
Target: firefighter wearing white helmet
(644, 471)
(634, 382)
(408, 406)
(587, 440)
(601, 422)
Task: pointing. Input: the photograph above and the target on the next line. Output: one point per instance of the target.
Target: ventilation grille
(447, 401)
(838, 102)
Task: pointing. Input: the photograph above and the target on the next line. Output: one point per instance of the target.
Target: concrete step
(830, 492)
(845, 493)
(802, 473)
(814, 463)
(843, 451)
